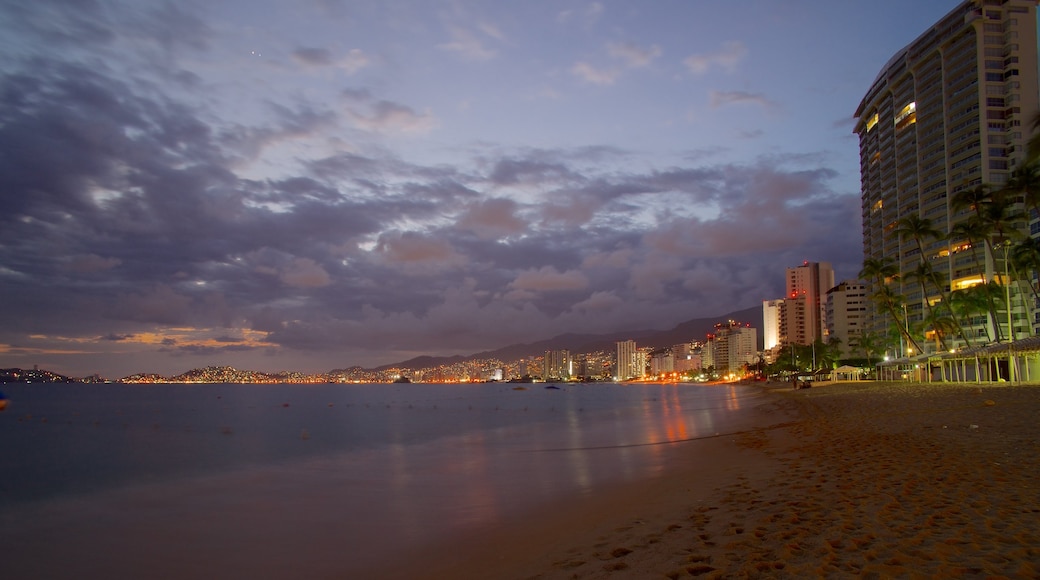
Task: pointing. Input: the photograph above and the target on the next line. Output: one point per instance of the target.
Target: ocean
(280, 481)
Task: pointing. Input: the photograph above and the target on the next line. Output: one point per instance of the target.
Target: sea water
(313, 480)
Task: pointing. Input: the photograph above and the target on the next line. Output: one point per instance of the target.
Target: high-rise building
(772, 335)
(805, 303)
(662, 362)
(950, 112)
(846, 313)
(731, 346)
(557, 365)
(687, 356)
(628, 364)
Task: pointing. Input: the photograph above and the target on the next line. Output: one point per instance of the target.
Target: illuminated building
(950, 112)
(557, 365)
(733, 345)
(628, 363)
(804, 311)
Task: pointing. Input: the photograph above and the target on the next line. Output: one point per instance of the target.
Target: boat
(554, 387)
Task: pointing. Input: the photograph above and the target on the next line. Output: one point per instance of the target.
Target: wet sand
(871, 480)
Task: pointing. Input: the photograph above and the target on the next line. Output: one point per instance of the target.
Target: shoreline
(874, 479)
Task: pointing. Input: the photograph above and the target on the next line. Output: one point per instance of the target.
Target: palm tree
(1025, 257)
(871, 344)
(891, 303)
(1025, 181)
(925, 273)
(880, 272)
(995, 221)
(919, 229)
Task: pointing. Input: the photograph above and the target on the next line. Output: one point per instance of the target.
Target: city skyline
(357, 183)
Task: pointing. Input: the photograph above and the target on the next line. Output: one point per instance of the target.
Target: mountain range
(695, 329)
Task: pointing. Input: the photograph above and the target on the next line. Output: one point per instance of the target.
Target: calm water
(312, 480)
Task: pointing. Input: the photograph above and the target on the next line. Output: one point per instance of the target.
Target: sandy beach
(865, 480)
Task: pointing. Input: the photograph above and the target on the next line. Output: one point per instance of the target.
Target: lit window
(907, 116)
(871, 122)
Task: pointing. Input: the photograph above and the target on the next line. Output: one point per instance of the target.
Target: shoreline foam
(873, 480)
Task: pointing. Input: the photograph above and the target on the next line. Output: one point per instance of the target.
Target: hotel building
(846, 311)
(951, 111)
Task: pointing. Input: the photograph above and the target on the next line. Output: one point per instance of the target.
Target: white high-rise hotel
(951, 111)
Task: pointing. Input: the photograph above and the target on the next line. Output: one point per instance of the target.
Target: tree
(880, 271)
(1025, 257)
(919, 229)
(924, 273)
(1025, 181)
(871, 344)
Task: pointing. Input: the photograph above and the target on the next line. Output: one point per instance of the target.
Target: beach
(867, 479)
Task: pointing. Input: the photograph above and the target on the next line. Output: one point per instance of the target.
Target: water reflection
(384, 468)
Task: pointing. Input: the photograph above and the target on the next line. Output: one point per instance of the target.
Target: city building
(733, 345)
(772, 311)
(687, 357)
(557, 366)
(628, 363)
(805, 303)
(948, 115)
(846, 313)
(661, 362)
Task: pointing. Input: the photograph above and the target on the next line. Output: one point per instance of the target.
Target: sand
(864, 480)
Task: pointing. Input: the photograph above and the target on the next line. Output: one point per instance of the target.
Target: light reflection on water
(383, 466)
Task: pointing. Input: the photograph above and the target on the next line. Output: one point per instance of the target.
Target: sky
(317, 184)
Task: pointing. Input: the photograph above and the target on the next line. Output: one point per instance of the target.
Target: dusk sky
(316, 184)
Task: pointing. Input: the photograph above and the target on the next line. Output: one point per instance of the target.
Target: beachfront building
(661, 362)
(946, 120)
(686, 357)
(557, 365)
(771, 312)
(846, 312)
(805, 302)
(730, 347)
(628, 363)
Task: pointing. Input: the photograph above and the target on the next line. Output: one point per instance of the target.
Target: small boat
(554, 387)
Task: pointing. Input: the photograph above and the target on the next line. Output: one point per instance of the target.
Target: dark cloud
(313, 56)
(134, 215)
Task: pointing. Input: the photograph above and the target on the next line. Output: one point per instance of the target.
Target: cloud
(415, 250)
(304, 273)
(599, 302)
(382, 116)
(492, 219)
(471, 43)
(725, 98)
(596, 76)
(548, 279)
(312, 56)
(88, 263)
(352, 62)
(138, 215)
(634, 56)
(727, 58)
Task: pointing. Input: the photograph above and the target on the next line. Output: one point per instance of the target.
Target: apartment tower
(948, 113)
(804, 313)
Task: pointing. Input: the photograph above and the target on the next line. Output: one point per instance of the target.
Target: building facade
(846, 314)
(804, 312)
(557, 365)
(950, 112)
(628, 362)
(733, 345)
